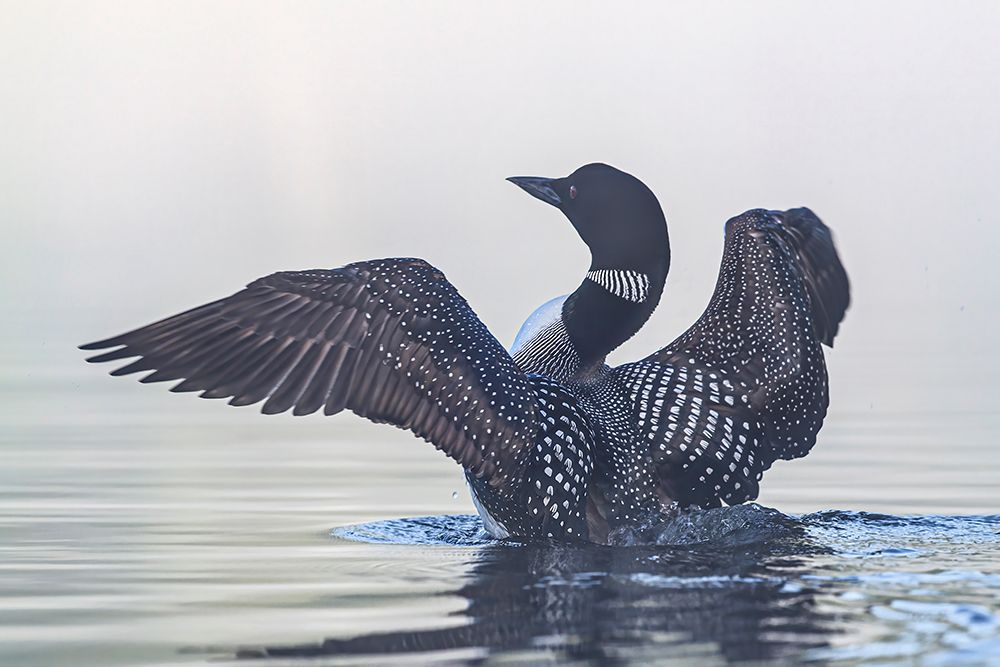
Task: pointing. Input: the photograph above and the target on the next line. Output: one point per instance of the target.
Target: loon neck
(567, 338)
(609, 307)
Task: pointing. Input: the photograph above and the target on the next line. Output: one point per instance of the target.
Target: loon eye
(572, 192)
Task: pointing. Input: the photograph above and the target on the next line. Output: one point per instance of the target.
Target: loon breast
(543, 345)
(546, 315)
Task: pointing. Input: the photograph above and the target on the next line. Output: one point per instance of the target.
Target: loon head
(622, 223)
(616, 215)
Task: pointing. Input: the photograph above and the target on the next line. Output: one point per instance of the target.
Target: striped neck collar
(629, 285)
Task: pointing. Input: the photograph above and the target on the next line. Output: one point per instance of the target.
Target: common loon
(555, 443)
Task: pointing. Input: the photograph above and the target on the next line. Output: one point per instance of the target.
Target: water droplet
(454, 495)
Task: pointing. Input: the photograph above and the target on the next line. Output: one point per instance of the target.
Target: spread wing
(753, 360)
(391, 340)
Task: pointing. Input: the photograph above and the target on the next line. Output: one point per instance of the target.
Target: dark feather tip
(113, 355)
(100, 344)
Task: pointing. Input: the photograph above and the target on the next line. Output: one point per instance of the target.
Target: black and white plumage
(629, 285)
(554, 442)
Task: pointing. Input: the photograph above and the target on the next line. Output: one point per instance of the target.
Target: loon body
(554, 442)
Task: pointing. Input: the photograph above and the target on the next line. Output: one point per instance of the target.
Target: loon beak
(539, 187)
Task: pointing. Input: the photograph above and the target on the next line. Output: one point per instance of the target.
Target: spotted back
(549, 500)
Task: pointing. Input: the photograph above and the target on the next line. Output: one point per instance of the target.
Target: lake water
(141, 527)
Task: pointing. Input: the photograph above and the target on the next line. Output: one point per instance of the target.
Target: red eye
(572, 192)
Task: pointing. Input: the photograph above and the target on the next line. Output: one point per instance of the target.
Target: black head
(616, 215)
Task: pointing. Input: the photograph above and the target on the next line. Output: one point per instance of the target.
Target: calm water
(141, 527)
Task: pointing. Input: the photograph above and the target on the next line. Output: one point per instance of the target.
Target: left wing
(391, 340)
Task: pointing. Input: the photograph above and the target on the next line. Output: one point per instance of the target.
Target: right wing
(746, 384)
(782, 291)
(391, 340)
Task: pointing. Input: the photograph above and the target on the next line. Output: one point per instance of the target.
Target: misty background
(155, 156)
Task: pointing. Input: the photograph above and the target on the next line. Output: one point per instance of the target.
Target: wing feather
(391, 340)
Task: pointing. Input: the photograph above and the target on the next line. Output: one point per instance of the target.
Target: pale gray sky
(156, 155)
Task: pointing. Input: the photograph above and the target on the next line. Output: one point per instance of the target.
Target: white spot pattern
(550, 499)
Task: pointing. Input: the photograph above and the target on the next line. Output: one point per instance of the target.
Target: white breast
(540, 320)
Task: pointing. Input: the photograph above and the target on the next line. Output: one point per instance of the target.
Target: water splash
(725, 526)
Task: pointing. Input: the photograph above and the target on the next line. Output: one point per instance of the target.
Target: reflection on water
(770, 588)
(728, 599)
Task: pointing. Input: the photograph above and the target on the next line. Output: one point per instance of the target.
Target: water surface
(141, 527)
